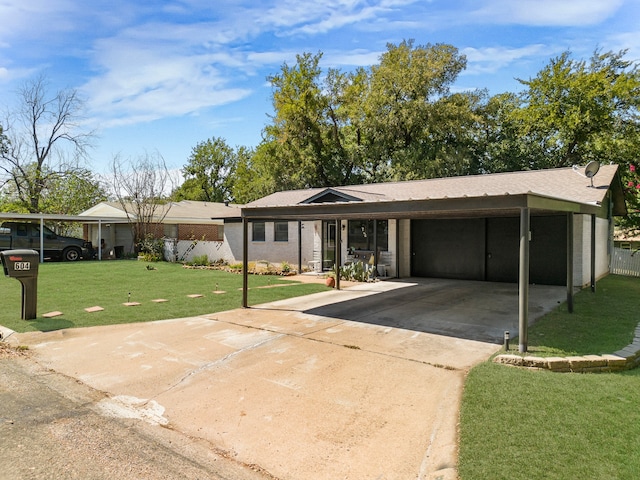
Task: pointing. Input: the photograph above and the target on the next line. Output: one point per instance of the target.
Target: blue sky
(165, 75)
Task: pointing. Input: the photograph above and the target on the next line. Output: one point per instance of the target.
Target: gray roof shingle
(562, 183)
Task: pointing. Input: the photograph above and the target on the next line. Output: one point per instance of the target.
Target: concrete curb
(625, 359)
(6, 335)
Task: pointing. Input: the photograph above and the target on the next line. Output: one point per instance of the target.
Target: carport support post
(523, 280)
(100, 239)
(570, 262)
(338, 251)
(593, 253)
(245, 262)
(41, 239)
(299, 247)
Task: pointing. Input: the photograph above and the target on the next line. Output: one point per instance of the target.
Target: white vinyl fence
(625, 262)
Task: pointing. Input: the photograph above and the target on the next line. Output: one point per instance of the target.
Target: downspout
(610, 243)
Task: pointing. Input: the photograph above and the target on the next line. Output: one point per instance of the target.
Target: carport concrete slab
(465, 309)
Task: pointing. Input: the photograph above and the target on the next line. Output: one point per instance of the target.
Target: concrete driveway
(346, 384)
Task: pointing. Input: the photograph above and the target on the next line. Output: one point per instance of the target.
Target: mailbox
(23, 265)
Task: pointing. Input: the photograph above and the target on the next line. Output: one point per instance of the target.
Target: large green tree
(256, 175)
(573, 109)
(400, 120)
(311, 140)
(210, 172)
(396, 120)
(571, 112)
(74, 193)
(412, 121)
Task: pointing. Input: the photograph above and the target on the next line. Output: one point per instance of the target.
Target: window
(257, 229)
(170, 230)
(281, 231)
(361, 234)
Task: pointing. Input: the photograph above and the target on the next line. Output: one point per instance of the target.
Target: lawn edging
(625, 359)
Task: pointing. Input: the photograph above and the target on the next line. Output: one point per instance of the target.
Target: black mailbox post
(23, 265)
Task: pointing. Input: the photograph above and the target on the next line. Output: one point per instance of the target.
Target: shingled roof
(569, 185)
(185, 211)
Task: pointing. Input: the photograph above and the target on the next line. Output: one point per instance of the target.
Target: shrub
(151, 249)
(200, 261)
(357, 272)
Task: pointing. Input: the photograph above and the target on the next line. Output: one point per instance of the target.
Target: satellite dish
(591, 169)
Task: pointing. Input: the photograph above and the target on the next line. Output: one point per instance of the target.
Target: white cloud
(158, 69)
(357, 58)
(159, 59)
(547, 12)
(626, 41)
(491, 59)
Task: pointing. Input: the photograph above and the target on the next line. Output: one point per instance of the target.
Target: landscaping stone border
(625, 359)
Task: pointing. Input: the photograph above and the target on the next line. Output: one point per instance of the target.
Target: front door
(328, 244)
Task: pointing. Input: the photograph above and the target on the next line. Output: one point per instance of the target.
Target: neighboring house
(192, 229)
(626, 241)
(468, 227)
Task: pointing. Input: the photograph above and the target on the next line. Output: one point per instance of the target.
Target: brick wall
(209, 233)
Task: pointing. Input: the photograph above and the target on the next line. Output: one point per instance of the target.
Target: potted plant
(330, 280)
(331, 277)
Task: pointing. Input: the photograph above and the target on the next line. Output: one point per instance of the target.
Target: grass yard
(72, 287)
(521, 424)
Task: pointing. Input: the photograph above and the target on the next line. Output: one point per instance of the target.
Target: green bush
(200, 261)
(151, 249)
(356, 272)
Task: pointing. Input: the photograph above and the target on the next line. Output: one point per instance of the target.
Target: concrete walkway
(293, 386)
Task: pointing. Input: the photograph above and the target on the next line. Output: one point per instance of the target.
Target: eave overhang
(503, 205)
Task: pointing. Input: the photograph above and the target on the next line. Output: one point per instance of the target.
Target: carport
(42, 217)
(556, 195)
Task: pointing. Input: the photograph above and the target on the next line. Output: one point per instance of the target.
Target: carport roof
(554, 190)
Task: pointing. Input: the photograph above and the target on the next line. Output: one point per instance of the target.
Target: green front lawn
(72, 287)
(522, 424)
